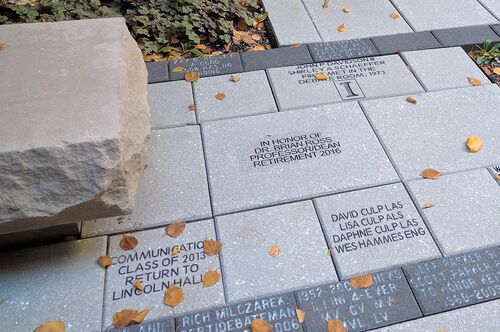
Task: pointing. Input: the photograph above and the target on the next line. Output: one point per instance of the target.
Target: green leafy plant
(486, 52)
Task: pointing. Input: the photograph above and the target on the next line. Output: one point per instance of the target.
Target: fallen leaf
(178, 69)
(295, 45)
(175, 229)
(441, 330)
(212, 247)
(321, 77)
(216, 53)
(260, 325)
(126, 317)
(427, 206)
(51, 326)
(474, 81)
(430, 173)
(256, 37)
(220, 96)
(361, 281)
(192, 107)
(341, 28)
(201, 47)
(176, 250)
(346, 10)
(191, 76)
(273, 250)
(411, 100)
(301, 315)
(138, 285)
(487, 70)
(325, 4)
(234, 78)
(394, 15)
(242, 25)
(329, 252)
(2, 301)
(173, 296)
(247, 39)
(496, 70)
(335, 325)
(474, 143)
(104, 261)
(128, 242)
(262, 17)
(497, 177)
(2, 46)
(211, 278)
(258, 48)
(154, 57)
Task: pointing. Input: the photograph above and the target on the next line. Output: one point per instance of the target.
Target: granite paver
(389, 300)
(169, 103)
(280, 157)
(47, 283)
(465, 35)
(154, 264)
(431, 14)
(364, 19)
(429, 69)
(432, 133)
(205, 66)
(174, 187)
(157, 71)
(481, 317)
(276, 57)
(297, 86)
(290, 22)
(456, 281)
(249, 95)
(405, 42)
(374, 229)
(464, 216)
(342, 49)
(303, 259)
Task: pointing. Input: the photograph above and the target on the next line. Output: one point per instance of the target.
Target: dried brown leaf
(128, 242)
(487, 70)
(365, 281)
(175, 229)
(104, 261)
(192, 107)
(260, 325)
(176, 250)
(497, 177)
(247, 39)
(427, 206)
(191, 76)
(295, 45)
(242, 25)
(273, 250)
(153, 57)
(2, 46)
(211, 247)
(126, 317)
(346, 10)
(394, 15)
(201, 47)
(178, 69)
(474, 143)
(496, 70)
(341, 28)
(411, 100)
(262, 17)
(211, 278)
(51, 326)
(325, 4)
(258, 48)
(138, 285)
(301, 315)
(220, 96)
(173, 296)
(335, 325)
(256, 37)
(234, 78)
(474, 81)
(430, 173)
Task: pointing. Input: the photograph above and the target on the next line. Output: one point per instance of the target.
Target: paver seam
(221, 260)
(403, 58)
(314, 23)
(400, 12)
(273, 92)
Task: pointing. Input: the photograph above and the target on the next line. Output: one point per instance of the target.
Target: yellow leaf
(365, 281)
(321, 77)
(173, 296)
(104, 261)
(211, 278)
(51, 326)
(474, 143)
(430, 173)
(191, 76)
(175, 229)
(128, 242)
(335, 325)
(192, 107)
(474, 81)
(427, 206)
(273, 250)
(212, 247)
(496, 70)
(178, 69)
(394, 15)
(497, 177)
(138, 285)
(140, 316)
(301, 315)
(126, 317)
(220, 96)
(346, 10)
(411, 100)
(260, 325)
(176, 250)
(262, 17)
(234, 78)
(325, 4)
(341, 28)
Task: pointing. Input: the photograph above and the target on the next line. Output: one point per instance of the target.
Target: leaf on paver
(2, 46)
(346, 10)
(341, 28)
(474, 143)
(325, 4)
(474, 81)
(394, 15)
(191, 76)
(176, 250)
(52, 326)
(192, 107)
(211, 247)
(2, 301)
(321, 77)
(104, 261)
(487, 70)
(273, 250)
(262, 17)
(329, 252)
(173, 296)
(138, 285)
(128, 242)
(411, 100)
(301, 315)
(430, 173)
(175, 229)
(361, 281)
(497, 177)
(335, 325)
(496, 70)
(260, 325)
(427, 206)
(126, 317)
(201, 47)
(220, 96)
(295, 45)
(211, 278)
(178, 69)
(234, 78)
(258, 48)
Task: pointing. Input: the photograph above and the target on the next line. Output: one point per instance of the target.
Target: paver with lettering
(205, 66)
(374, 229)
(495, 171)
(298, 87)
(389, 300)
(155, 263)
(281, 157)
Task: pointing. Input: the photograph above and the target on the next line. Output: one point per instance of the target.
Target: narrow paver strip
(205, 66)
(495, 171)
(276, 57)
(465, 35)
(405, 42)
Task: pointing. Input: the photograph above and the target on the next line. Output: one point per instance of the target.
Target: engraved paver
(47, 283)
(290, 22)
(429, 69)
(205, 66)
(342, 49)
(249, 95)
(432, 133)
(481, 317)
(278, 310)
(374, 229)
(174, 186)
(457, 281)
(162, 325)
(464, 215)
(169, 103)
(389, 300)
(303, 259)
(280, 157)
(154, 264)
(431, 14)
(297, 87)
(495, 171)
(365, 19)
